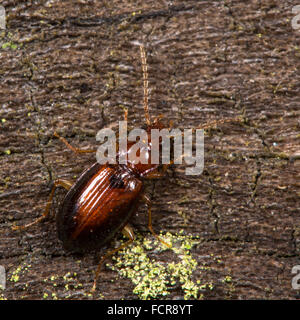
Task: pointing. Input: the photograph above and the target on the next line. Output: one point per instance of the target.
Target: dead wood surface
(70, 67)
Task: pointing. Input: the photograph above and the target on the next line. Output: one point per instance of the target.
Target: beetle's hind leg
(148, 204)
(57, 183)
(127, 232)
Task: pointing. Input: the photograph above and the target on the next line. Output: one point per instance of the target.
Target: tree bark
(72, 67)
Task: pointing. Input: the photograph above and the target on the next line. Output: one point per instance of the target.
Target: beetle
(102, 200)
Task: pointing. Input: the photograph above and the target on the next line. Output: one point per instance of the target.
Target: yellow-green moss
(2, 297)
(155, 279)
(68, 281)
(227, 279)
(11, 45)
(15, 276)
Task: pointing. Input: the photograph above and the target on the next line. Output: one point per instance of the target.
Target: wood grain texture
(72, 66)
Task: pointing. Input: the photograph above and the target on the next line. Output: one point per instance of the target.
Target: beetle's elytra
(97, 206)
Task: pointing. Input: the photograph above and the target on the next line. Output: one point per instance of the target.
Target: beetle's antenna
(216, 123)
(145, 78)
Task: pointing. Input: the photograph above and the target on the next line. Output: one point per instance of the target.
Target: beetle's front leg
(74, 149)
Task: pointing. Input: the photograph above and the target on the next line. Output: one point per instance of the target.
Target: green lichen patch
(20, 270)
(7, 151)
(9, 41)
(10, 45)
(156, 279)
(2, 297)
(62, 286)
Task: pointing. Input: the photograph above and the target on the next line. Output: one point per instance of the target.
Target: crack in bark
(38, 122)
(255, 182)
(98, 21)
(213, 205)
(294, 242)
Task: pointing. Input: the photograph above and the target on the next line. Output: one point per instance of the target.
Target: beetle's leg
(155, 175)
(62, 183)
(216, 123)
(148, 204)
(127, 232)
(158, 174)
(76, 150)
